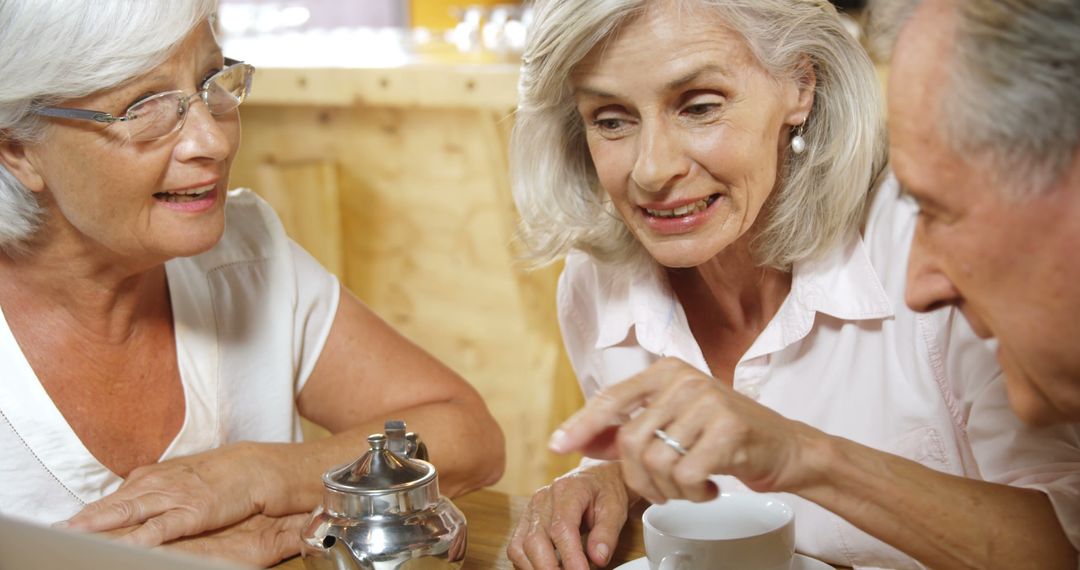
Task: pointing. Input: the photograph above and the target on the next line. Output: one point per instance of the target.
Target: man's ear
(14, 156)
(804, 85)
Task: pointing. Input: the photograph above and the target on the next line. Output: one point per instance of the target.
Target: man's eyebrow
(923, 199)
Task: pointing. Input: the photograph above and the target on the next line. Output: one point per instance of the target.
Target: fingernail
(603, 551)
(557, 443)
(61, 524)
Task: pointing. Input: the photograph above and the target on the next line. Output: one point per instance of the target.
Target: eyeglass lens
(159, 115)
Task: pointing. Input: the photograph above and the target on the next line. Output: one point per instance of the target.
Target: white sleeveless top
(251, 317)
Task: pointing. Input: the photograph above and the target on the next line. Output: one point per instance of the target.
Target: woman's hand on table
(187, 496)
(550, 527)
(722, 431)
(259, 540)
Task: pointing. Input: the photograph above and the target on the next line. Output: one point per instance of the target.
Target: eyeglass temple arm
(84, 114)
(98, 116)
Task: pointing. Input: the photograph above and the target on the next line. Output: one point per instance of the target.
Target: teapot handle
(405, 444)
(417, 446)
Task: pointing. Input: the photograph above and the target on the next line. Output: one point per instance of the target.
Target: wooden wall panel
(426, 223)
(305, 194)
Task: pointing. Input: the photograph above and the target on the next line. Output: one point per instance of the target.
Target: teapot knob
(377, 441)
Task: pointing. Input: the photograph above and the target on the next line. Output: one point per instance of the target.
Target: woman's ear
(15, 157)
(803, 96)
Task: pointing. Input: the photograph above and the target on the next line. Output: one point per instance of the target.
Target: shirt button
(750, 391)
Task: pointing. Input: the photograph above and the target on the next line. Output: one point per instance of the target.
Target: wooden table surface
(491, 516)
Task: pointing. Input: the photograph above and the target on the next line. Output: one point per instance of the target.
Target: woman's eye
(700, 109)
(209, 75)
(608, 124)
(139, 99)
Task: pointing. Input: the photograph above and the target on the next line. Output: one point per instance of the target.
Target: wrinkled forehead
(919, 74)
(188, 60)
(675, 28)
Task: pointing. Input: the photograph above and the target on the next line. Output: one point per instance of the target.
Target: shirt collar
(842, 284)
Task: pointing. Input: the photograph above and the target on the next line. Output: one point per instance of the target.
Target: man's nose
(928, 286)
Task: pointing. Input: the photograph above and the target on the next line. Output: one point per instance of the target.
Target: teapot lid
(379, 471)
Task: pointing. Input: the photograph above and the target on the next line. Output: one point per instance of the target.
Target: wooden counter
(396, 179)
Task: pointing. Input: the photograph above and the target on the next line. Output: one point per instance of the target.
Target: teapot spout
(341, 557)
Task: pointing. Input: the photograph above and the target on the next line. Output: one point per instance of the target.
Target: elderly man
(984, 113)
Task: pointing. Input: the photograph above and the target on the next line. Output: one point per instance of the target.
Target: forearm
(942, 520)
(463, 441)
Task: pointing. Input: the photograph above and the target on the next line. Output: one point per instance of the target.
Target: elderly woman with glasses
(161, 336)
(733, 299)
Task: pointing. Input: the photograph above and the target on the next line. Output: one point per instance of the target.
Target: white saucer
(800, 562)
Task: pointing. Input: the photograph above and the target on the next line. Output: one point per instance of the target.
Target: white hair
(1012, 96)
(821, 194)
(53, 50)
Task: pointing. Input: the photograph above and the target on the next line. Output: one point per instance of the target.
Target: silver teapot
(384, 512)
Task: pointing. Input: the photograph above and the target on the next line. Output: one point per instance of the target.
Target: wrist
(817, 456)
(270, 479)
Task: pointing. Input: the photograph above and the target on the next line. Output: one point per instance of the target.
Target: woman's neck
(102, 300)
(728, 301)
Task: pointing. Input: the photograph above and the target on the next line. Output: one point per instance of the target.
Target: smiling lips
(684, 210)
(188, 195)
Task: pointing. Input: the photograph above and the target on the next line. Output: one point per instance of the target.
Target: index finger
(111, 513)
(609, 407)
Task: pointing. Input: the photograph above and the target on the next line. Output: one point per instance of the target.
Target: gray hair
(1013, 93)
(821, 193)
(52, 51)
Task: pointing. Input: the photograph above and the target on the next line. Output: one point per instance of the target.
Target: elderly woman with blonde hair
(733, 298)
(160, 336)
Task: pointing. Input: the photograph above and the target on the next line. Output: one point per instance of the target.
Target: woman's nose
(205, 136)
(660, 159)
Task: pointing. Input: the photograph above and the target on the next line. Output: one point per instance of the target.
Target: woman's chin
(204, 240)
(680, 258)
(682, 254)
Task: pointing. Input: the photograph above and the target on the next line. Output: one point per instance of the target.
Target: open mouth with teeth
(193, 195)
(684, 210)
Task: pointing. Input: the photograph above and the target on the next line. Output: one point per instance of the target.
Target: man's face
(1009, 264)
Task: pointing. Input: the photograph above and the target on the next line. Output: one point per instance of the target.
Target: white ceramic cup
(735, 531)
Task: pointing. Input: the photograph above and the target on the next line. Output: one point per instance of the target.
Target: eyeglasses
(164, 113)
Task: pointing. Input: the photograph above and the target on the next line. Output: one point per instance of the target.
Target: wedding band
(670, 441)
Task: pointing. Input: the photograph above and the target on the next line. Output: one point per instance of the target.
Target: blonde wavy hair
(821, 193)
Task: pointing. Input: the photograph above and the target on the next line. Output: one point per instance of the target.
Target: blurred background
(378, 129)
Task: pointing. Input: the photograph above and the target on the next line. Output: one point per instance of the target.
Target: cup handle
(674, 562)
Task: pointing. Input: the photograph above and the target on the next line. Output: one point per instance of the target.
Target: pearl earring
(798, 143)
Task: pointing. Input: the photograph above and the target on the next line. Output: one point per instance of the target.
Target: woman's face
(143, 202)
(685, 130)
